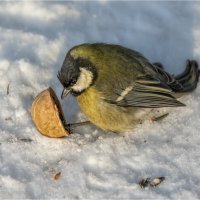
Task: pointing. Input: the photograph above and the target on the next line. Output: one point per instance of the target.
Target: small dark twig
(26, 139)
(159, 118)
(8, 89)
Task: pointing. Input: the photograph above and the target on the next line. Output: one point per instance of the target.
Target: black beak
(65, 92)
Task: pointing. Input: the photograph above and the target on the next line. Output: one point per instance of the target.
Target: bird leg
(68, 127)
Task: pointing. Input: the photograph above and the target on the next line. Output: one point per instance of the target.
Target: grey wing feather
(147, 92)
(170, 80)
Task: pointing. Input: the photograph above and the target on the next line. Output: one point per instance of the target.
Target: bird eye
(59, 76)
(73, 81)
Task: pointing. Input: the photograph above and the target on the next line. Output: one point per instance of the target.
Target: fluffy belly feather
(104, 115)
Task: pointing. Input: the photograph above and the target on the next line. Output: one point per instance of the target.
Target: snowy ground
(93, 164)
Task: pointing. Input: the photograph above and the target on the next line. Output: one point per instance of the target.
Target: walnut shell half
(47, 114)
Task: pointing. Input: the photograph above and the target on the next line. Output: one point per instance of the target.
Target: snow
(35, 37)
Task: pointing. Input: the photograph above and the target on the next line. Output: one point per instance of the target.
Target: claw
(68, 128)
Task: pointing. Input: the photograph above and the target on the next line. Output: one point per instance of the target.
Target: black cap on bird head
(76, 75)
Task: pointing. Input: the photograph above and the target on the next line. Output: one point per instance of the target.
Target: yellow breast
(104, 115)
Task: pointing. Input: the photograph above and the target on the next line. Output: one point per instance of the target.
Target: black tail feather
(190, 77)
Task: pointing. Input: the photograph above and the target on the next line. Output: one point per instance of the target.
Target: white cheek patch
(84, 81)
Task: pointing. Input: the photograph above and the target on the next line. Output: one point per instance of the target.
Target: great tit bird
(115, 86)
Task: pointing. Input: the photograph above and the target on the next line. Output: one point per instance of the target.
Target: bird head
(77, 72)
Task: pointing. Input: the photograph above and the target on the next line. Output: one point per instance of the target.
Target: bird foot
(70, 126)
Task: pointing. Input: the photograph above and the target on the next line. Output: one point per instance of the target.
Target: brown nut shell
(47, 114)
